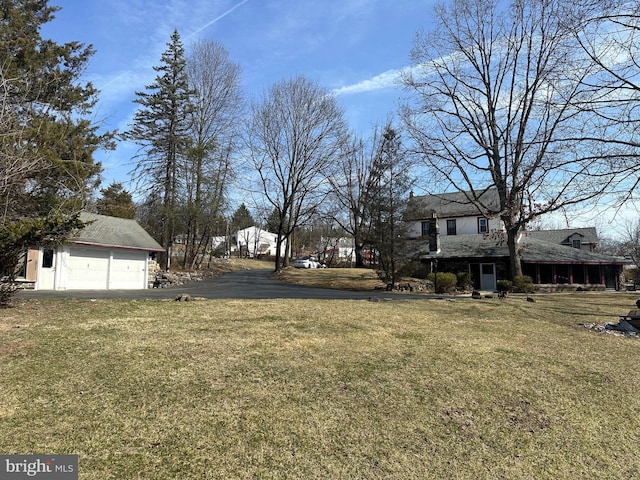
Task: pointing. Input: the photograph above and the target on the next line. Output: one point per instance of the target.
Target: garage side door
(128, 270)
(87, 268)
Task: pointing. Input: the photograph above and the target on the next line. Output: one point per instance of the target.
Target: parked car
(308, 262)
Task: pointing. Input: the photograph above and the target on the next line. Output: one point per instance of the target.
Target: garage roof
(114, 232)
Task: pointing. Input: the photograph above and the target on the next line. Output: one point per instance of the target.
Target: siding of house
(464, 226)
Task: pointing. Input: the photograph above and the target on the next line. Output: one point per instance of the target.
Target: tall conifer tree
(160, 127)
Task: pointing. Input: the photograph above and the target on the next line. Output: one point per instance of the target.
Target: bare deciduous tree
(214, 119)
(502, 101)
(630, 242)
(349, 186)
(611, 39)
(294, 136)
(353, 186)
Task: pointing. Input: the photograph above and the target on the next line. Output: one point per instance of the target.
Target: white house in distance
(109, 253)
(255, 241)
(336, 249)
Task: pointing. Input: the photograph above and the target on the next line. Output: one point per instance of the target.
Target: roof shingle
(102, 230)
(456, 204)
(532, 250)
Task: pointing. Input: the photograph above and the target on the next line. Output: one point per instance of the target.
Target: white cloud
(388, 79)
(216, 19)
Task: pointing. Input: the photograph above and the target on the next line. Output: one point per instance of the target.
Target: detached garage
(109, 253)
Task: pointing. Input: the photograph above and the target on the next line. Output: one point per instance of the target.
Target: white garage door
(127, 270)
(87, 268)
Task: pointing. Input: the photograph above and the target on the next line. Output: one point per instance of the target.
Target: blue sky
(355, 48)
(352, 47)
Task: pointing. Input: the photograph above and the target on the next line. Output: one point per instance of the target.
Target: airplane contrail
(218, 18)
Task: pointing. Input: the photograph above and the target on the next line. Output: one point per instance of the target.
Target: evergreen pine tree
(242, 218)
(387, 193)
(160, 127)
(48, 103)
(47, 144)
(116, 202)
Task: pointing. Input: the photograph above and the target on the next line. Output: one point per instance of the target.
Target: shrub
(465, 281)
(504, 285)
(523, 284)
(446, 282)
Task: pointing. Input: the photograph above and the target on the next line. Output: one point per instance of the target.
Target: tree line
(535, 99)
(191, 126)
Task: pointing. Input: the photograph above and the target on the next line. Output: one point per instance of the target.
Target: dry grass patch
(251, 264)
(323, 389)
(358, 279)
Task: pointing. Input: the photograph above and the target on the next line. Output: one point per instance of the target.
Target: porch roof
(532, 250)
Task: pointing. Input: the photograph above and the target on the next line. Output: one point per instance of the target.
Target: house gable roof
(455, 204)
(114, 232)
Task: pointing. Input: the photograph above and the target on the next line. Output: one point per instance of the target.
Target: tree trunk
(515, 265)
(359, 247)
(278, 250)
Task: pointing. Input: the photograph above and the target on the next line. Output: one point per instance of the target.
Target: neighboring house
(336, 249)
(254, 241)
(108, 253)
(219, 244)
(451, 235)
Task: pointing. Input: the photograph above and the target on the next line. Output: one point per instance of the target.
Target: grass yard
(323, 389)
(359, 279)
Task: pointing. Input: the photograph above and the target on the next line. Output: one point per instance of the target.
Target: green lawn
(323, 389)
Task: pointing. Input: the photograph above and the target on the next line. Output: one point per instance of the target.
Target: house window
(483, 225)
(47, 258)
(487, 269)
(576, 243)
(429, 227)
(425, 229)
(451, 227)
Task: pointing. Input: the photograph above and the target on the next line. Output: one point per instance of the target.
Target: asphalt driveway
(246, 284)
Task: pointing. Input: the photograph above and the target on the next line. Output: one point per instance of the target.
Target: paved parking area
(247, 284)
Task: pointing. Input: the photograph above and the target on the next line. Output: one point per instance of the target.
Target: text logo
(45, 467)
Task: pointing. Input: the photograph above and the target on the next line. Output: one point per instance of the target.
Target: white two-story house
(454, 213)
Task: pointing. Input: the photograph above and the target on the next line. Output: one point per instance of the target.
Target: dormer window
(576, 243)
